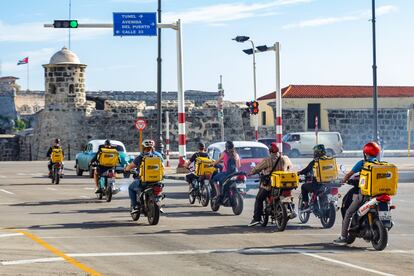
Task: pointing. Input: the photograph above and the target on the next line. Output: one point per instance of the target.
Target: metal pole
(70, 17)
(167, 137)
(256, 116)
(409, 132)
(159, 86)
(220, 107)
(278, 117)
(28, 75)
(181, 103)
(374, 72)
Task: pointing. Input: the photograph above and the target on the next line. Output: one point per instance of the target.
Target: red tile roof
(340, 91)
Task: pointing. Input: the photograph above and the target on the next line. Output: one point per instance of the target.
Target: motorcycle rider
(231, 163)
(135, 187)
(275, 161)
(191, 163)
(100, 169)
(56, 145)
(371, 150)
(319, 152)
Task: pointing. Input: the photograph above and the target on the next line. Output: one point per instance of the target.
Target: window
(52, 89)
(216, 154)
(263, 118)
(252, 152)
(71, 89)
(294, 138)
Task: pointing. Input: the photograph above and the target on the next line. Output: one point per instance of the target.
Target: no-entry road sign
(140, 124)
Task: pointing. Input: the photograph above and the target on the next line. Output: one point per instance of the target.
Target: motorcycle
(150, 201)
(57, 170)
(372, 221)
(232, 189)
(201, 190)
(107, 185)
(279, 207)
(323, 204)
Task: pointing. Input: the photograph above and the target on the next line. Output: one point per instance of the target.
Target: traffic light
(249, 107)
(65, 24)
(255, 107)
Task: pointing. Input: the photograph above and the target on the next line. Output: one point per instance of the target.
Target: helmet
(107, 142)
(229, 145)
(201, 146)
(371, 149)
(148, 143)
(273, 148)
(319, 150)
(57, 141)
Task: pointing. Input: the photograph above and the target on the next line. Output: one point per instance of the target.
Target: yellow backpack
(378, 178)
(151, 169)
(57, 155)
(108, 157)
(325, 170)
(204, 166)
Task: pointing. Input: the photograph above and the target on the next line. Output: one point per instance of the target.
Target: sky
(322, 42)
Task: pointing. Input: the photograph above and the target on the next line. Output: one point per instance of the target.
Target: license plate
(241, 185)
(384, 215)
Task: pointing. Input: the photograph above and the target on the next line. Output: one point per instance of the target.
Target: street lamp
(251, 51)
(374, 73)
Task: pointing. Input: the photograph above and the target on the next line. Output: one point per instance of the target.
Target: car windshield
(285, 138)
(118, 147)
(252, 152)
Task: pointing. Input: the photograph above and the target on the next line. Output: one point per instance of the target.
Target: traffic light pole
(279, 123)
(256, 116)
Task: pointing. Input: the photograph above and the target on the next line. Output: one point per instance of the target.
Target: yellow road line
(59, 253)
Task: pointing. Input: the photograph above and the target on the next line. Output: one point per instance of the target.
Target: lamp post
(242, 39)
(374, 73)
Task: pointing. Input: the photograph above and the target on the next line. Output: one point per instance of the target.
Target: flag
(23, 61)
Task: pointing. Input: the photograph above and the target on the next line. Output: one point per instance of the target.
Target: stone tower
(8, 113)
(64, 81)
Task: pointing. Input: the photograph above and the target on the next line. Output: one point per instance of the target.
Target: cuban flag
(23, 61)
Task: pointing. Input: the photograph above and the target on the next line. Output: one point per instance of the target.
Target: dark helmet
(57, 141)
(319, 150)
(229, 145)
(201, 146)
(273, 148)
(107, 142)
(371, 149)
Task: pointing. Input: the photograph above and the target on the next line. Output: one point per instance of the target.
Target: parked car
(268, 141)
(251, 153)
(302, 143)
(83, 158)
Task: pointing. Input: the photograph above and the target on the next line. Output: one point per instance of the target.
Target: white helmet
(148, 143)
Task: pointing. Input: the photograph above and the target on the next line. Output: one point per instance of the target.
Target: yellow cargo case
(325, 170)
(378, 178)
(151, 169)
(56, 156)
(204, 166)
(108, 157)
(284, 180)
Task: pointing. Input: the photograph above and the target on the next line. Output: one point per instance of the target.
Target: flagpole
(27, 76)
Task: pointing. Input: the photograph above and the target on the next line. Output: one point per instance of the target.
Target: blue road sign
(135, 24)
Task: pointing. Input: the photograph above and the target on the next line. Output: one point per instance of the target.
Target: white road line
(7, 192)
(282, 250)
(10, 235)
(21, 174)
(346, 264)
(89, 188)
(52, 189)
(2, 176)
(84, 196)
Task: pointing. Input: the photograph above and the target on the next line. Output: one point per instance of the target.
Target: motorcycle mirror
(342, 168)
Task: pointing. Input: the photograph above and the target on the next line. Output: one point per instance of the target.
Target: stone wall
(9, 148)
(356, 127)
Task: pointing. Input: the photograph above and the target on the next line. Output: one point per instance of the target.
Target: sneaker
(340, 241)
(253, 222)
(134, 210)
(97, 190)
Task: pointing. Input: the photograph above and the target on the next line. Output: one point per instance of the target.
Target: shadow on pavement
(84, 225)
(207, 213)
(90, 211)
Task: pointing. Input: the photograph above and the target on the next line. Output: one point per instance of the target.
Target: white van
(303, 142)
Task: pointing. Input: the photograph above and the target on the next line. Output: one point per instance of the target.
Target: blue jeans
(134, 189)
(219, 177)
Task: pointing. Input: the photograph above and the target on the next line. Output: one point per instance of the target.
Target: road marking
(88, 188)
(52, 189)
(84, 196)
(10, 235)
(346, 264)
(59, 253)
(7, 192)
(2, 176)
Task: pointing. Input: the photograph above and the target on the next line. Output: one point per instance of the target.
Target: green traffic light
(73, 23)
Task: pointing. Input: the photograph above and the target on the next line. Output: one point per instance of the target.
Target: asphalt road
(63, 229)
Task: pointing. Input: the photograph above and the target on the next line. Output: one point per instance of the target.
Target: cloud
(35, 32)
(220, 13)
(36, 58)
(382, 10)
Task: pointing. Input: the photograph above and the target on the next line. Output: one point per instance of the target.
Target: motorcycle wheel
(191, 196)
(79, 172)
(303, 216)
(135, 216)
(108, 194)
(237, 204)
(215, 205)
(350, 239)
(328, 217)
(380, 236)
(264, 220)
(205, 193)
(153, 214)
(53, 177)
(281, 217)
(91, 172)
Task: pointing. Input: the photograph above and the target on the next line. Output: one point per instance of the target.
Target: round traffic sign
(140, 124)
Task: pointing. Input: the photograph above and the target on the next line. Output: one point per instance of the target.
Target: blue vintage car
(83, 158)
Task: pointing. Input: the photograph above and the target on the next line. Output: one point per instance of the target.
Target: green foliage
(20, 124)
